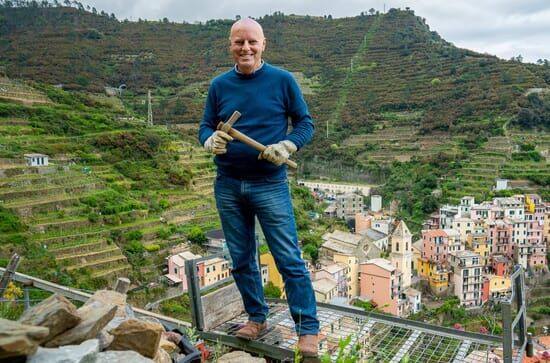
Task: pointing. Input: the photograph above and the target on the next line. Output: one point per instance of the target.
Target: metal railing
(510, 322)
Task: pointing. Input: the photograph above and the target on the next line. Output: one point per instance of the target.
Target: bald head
(246, 23)
(246, 44)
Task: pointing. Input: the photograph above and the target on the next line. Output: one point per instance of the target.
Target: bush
(9, 222)
(134, 235)
(436, 82)
(527, 156)
(272, 291)
(152, 247)
(196, 235)
(164, 233)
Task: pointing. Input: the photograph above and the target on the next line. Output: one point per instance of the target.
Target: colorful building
(273, 274)
(467, 277)
(435, 245)
(436, 275)
(499, 286)
(381, 283)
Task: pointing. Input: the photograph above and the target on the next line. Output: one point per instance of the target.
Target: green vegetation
(9, 222)
(272, 291)
(394, 104)
(178, 308)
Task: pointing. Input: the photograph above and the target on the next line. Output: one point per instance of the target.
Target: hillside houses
(351, 264)
(470, 249)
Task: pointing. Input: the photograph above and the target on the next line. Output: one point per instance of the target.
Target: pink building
(382, 283)
(362, 221)
(499, 237)
(435, 244)
(176, 268)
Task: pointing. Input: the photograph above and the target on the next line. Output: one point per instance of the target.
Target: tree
(372, 11)
(179, 107)
(312, 251)
(196, 235)
(272, 291)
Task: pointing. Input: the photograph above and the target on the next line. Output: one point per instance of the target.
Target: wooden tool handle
(252, 143)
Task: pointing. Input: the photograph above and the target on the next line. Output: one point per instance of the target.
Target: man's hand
(278, 153)
(217, 143)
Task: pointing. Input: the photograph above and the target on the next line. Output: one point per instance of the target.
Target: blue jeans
(238, 201)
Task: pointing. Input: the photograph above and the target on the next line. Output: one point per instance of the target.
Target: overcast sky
(504, 28)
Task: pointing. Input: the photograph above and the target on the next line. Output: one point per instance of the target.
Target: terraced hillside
(381, 88)
(111, 191)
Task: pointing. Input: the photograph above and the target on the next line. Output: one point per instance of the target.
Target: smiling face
(246, 44)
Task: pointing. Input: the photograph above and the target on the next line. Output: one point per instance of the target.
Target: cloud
(502, 27)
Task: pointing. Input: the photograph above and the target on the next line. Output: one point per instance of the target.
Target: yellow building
(352, 274)
(437, 276)
(499, 286)
(215, 269)
(273, 274)
(529, 204)
(477, 242)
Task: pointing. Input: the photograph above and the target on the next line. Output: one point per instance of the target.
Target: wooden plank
(221, 305)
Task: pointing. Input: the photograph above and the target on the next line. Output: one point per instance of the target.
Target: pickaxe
(228, 128)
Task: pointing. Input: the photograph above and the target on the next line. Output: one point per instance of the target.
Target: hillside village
(467, 250)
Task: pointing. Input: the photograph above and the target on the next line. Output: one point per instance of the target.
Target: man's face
(247, 44)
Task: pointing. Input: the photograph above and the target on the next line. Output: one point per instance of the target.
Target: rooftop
(380, 262)
(324, 285)
(432, 233)
(343, 237)
(465, 253)
(338, 247)
(372, 234)
(334, 268)
(180, 258)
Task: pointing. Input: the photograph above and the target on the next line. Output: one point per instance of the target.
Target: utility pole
(327, 128)
(149, 109)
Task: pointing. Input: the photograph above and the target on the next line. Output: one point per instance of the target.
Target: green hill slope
(381, 88)
(113, 188)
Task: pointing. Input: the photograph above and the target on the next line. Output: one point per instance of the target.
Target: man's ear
(265, 43)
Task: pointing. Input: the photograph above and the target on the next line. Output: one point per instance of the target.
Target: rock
(138, 335)
(122, 357)
(162, 356)
(83, 353)
(239, 357)
(105, 339)
(109, 297)
(168, 346)
(122, 285)
(19, 339)
(56, 313)
(93, 318)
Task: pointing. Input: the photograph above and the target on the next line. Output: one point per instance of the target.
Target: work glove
(278, 153)
(217, 142)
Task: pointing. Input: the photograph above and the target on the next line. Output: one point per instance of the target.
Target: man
(249, 185)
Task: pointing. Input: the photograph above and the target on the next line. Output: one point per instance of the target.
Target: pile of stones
(103, 330)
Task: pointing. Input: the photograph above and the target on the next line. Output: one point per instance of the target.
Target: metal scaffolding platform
(377, 337)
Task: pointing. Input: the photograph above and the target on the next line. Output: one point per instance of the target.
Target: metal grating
(379, 341)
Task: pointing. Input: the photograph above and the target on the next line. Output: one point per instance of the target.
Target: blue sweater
(265, 99)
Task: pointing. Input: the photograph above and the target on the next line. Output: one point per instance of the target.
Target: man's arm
(302, 124)
(209, 117)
